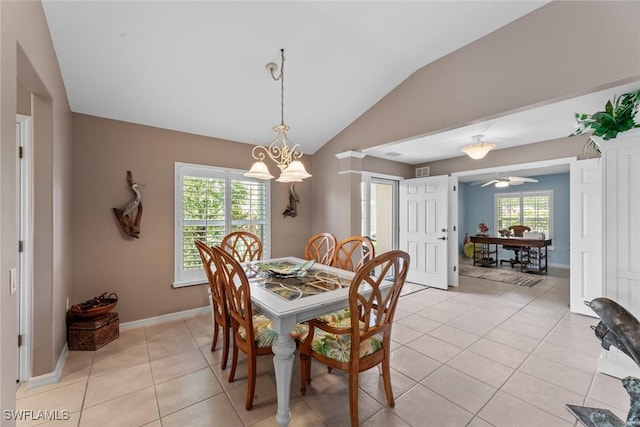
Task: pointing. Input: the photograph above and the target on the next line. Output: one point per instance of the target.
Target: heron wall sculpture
(129, 224)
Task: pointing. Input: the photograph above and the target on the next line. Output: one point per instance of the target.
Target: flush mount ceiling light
(502, 182)
(284, 153)
(478, 149)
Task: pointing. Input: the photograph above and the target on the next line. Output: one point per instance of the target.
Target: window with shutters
(533, 209)
(210, 203)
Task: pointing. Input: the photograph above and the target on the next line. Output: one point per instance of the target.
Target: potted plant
(619, 115)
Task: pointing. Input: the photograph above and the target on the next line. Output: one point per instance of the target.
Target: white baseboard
(617, 364)
(551, 264)
(51, 377)
(149, 321)
(54, 377)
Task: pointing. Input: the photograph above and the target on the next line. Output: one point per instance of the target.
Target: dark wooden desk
(533, 251)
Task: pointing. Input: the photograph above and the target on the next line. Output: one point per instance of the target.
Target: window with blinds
(533, 209)
(210, 203)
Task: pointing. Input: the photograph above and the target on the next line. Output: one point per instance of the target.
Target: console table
(533, 255)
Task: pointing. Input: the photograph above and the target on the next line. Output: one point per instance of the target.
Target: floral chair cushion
(335, 316)
(265, 335)
(338, 346)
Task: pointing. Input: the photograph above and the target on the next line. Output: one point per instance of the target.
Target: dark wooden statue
(129, 223)
(620, 329)
(292, 209)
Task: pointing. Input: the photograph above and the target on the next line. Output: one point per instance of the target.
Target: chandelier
(478, 149)
(282, 151)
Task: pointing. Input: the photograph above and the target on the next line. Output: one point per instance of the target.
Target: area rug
(515, 278)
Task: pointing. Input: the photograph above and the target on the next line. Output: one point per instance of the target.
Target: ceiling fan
(505, 182)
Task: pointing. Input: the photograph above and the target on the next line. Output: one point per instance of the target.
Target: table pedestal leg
(283, 350)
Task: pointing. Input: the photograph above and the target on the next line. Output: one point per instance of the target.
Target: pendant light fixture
(282, 151)
(478, 149)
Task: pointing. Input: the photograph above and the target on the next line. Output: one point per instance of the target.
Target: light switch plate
(13, 285)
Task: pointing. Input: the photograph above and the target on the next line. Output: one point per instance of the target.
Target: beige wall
(27, 55)
(140, 271)
(559, 51)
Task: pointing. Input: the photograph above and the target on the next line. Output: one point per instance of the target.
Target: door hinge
(20, 152)
(20, 340)
(20, 245)
(455, 188)
(454, 228)
(455, 268)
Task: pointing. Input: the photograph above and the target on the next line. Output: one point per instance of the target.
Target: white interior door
(586, 234)
(423, 229)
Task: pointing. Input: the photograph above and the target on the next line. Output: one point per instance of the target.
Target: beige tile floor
(484, 354)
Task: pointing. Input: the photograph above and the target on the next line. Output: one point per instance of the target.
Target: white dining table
(284, 315)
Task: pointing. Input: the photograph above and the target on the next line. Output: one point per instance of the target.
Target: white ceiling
(198, 67)
(526, 127)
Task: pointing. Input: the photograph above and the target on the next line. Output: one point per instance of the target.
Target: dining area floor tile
(481, 354)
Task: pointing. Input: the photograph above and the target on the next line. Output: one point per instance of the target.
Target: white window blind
(533, 209)
(210, 203)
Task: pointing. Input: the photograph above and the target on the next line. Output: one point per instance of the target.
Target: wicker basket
(91, 334)
(95, 307)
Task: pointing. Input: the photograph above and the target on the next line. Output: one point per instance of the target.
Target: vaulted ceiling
(199, 67)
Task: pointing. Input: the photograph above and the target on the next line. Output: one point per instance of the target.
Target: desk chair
(517, 231)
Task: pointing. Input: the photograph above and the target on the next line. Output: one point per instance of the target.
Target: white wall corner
(51, 377)
(351, 153)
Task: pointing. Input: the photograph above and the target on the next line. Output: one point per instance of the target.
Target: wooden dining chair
(363, 340)
(251, 333)
(217, 300)
(353, 252)
(321, 247)
(243, 246)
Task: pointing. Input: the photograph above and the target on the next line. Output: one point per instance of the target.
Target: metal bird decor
(129, 224)
(292, 209)
(618, 328)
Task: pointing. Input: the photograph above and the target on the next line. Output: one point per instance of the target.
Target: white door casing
(25, 234)
(423, 229)
(452, 233)
(586, 234)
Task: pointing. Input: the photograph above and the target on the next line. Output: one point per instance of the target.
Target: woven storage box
(91, 334)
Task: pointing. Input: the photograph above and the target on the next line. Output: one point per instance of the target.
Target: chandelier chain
(281, 78)
(282, 88)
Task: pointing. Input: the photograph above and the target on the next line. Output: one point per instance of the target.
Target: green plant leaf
(618, 116)
(609, 108)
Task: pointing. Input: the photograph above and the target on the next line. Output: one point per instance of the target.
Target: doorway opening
(380, 211)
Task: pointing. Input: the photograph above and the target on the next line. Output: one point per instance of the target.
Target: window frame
(521, 195)
(182, 277)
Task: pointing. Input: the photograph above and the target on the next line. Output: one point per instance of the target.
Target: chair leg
(353, 397)
(234, 363)
(251, 385)
(215, 336)
(386, 379)
(225, 347)
(305, 372)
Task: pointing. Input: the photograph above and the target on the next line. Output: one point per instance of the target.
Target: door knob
(442, 238)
